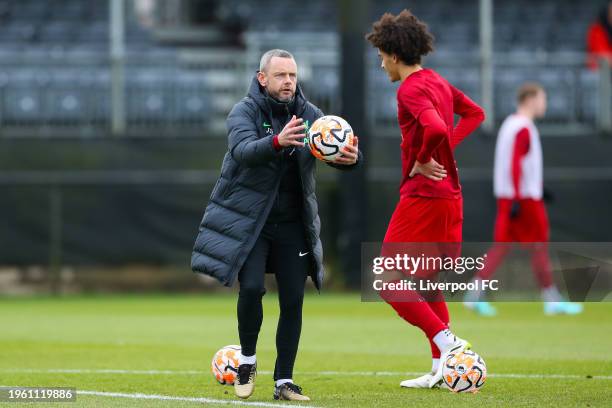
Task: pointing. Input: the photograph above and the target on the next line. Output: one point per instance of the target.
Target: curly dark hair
(403, 35)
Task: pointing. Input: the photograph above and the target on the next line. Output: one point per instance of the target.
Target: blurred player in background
(521, 213)
(431, 206)
(599, 38)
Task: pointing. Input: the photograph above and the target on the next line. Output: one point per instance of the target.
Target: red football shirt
(426, 106)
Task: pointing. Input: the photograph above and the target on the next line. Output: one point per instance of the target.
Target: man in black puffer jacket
(263, 215)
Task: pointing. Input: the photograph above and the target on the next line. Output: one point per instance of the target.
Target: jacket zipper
(283, 161)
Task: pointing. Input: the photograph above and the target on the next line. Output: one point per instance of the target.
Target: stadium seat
(34, 34)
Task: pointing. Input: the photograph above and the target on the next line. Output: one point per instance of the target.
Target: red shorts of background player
(529, 228)
(530, 224)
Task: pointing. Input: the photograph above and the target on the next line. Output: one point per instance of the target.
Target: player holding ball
(430, 207)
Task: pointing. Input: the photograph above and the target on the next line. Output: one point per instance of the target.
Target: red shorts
(425, 223)
(530, 225)
(426, 219)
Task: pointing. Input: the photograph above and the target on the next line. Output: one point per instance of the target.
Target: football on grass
(224, 364)
(464, 371)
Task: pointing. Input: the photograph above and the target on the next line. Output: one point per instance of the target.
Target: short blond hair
(528, 90)
(268, 55)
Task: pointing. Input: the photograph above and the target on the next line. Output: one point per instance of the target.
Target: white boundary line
(199, 400)
(187, 399)
(329, 373)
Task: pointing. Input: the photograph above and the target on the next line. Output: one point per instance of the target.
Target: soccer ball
(464, 371)
(327, 137)
(225, 363)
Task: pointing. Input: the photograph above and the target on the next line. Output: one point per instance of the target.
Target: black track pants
(280, 249)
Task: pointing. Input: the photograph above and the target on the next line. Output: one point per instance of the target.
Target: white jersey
(531, 182)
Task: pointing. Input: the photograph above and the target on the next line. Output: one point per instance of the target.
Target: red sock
(411, 307)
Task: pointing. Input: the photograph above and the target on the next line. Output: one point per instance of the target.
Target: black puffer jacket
(245, 192)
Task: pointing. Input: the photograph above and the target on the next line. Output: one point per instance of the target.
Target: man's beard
(282, 99)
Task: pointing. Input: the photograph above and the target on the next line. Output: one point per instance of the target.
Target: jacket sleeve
(521, 148)
(420, 105)
(471, 114)
(434, 132)
(347, 167)
(243, 142)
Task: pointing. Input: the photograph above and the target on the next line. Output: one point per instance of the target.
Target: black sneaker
(245, 380)
(289, 392)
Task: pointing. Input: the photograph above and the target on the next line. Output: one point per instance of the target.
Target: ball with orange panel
(224, 365)
(464, 371)
(327, 137)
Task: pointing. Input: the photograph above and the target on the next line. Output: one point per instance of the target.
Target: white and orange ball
(225, 363)
(327, 137)
(464, 371)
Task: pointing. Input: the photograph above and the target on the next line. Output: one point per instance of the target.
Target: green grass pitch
(162, 345)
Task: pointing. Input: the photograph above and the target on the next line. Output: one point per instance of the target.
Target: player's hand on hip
(432, 170)
(293, 133)
(349, 154)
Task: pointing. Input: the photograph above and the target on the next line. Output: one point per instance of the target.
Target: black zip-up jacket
(251, 176)
(287, 206)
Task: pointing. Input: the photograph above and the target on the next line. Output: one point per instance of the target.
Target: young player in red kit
(521, 213)
(430, 206)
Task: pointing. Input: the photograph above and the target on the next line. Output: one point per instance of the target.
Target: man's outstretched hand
(293, 133)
